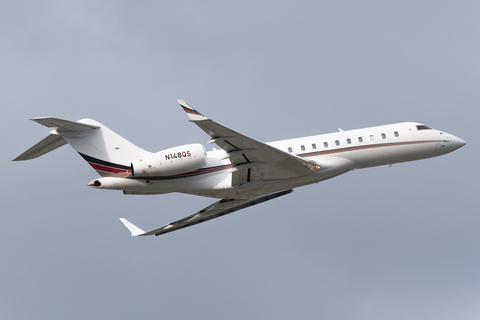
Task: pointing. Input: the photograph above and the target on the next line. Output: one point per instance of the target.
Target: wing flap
(213, 211)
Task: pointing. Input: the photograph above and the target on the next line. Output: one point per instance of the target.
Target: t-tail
(107, 152)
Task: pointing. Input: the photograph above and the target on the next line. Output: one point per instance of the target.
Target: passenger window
(314, 146)
(337, 142)
(325, 144)
(302, 147)
(290, 149)
(372, 137)
(360, 139)
(396, 133)
(349, 141)
(384, 136)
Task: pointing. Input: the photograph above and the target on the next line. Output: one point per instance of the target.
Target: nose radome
(457, 142)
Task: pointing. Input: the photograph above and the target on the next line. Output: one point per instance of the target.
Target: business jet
(245, 171)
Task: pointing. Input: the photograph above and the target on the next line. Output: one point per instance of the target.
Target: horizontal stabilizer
(55, 123)
(48, 144)
(54, 140)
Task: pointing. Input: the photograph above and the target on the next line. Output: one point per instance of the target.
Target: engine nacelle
(171, 161)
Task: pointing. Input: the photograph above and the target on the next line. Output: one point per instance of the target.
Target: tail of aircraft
(107, 152)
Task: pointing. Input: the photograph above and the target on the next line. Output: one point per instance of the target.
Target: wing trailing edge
(216, 210)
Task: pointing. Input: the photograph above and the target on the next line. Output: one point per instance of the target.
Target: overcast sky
(379, 243)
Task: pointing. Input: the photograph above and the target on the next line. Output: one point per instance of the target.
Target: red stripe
(108, 169)
(191, 111)
(317, 153)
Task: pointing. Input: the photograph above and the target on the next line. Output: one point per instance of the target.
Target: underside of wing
(251, 159)
(218, 209)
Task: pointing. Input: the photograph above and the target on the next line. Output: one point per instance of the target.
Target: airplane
(245, 172)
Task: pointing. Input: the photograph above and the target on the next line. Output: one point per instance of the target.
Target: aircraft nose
(456, 142)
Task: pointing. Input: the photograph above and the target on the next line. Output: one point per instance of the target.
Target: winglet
(136, 231)
(193, 115)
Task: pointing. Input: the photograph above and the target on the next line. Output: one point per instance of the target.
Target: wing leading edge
(218, 209)
(251, 160)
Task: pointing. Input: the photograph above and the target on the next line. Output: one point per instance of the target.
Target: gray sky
(380, 243)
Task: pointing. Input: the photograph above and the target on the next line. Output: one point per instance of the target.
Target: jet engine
(171, 161)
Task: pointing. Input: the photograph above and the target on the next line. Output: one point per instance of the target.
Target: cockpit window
(423, 127)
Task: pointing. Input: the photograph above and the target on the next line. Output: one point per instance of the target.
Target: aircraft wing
(251, 159)
(218, 209)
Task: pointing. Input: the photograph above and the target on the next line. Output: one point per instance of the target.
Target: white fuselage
(336, 153)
